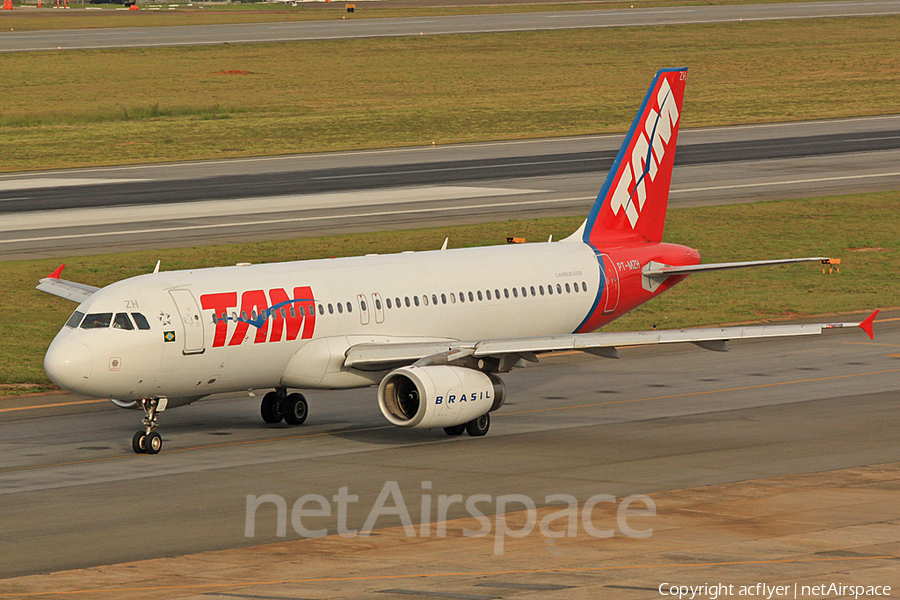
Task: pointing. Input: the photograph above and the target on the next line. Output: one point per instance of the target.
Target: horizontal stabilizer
(687, 270)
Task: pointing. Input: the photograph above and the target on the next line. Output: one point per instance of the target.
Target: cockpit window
(122, 322)
(97, 321)
(75, 319)
(141, 321)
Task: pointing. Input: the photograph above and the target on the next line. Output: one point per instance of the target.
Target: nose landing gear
(149, 441)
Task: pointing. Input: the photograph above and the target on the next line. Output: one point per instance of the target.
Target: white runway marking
(293, 220)
(251, 207)
(791, 182)
(52, 182)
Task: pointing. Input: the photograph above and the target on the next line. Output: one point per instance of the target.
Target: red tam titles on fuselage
(288, 316)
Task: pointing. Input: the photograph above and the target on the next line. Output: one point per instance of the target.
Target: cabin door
(191, 321)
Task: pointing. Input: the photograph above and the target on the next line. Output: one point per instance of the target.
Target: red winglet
(868, 326)
(55, 274)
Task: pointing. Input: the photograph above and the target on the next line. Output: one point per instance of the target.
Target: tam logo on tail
(632, 204)
(631, 191)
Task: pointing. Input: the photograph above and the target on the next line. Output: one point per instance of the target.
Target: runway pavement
(485, 23)
(72, 493)
(89, 211)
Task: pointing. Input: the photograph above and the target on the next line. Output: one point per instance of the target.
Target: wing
(70, 290)
(512, 352)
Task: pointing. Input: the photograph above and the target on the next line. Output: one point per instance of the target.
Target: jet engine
(438, 395)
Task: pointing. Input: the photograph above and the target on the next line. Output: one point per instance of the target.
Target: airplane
(431, 329)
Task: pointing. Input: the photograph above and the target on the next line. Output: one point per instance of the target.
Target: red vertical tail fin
(631, 206)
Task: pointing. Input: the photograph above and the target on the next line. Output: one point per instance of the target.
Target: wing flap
(373, 355)
(587, 341)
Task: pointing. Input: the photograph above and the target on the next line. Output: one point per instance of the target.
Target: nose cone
(68, 363)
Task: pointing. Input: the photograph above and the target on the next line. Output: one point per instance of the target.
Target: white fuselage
(252, 349)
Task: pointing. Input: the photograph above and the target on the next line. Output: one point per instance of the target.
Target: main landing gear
(149, 441)
(280, 406)
(476, 427)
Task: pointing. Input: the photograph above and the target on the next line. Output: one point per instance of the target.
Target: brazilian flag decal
(169, 336)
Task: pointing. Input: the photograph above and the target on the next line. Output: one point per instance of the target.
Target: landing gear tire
(272, 408)
(480, 426)
(153, 443)
(137, 442)
(455, 430)
(148, 441)
(295, 409)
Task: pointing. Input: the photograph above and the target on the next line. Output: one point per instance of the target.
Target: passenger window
(497, 294)
(122, 322)
(434, 299)
(330, 308)
(97, 321)
(416, 300)
(558, 289)
(321, 309)
(425, 299)
(377, 304)
(299, 309)
(462, 297)
(506, 293)
(488, 295)
(340, 308)
(75, 319)
(472, 298)
(253, 315)
(516, 292)
(388, 300)
(584, 286)
(568, 290)
(443, 298)
(532, 292)
(141, 321)
(541, 289)
(350, 307)
(452, 298)
(550, 289)
(406, 301)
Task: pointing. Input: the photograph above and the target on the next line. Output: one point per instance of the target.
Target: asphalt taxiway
(73, 495)
(113, 209)
(145, 37)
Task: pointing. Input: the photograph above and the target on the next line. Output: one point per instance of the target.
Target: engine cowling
(438, 395)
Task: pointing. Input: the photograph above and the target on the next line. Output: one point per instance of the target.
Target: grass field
(121, 106)
(861, 230)
(202, 14)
